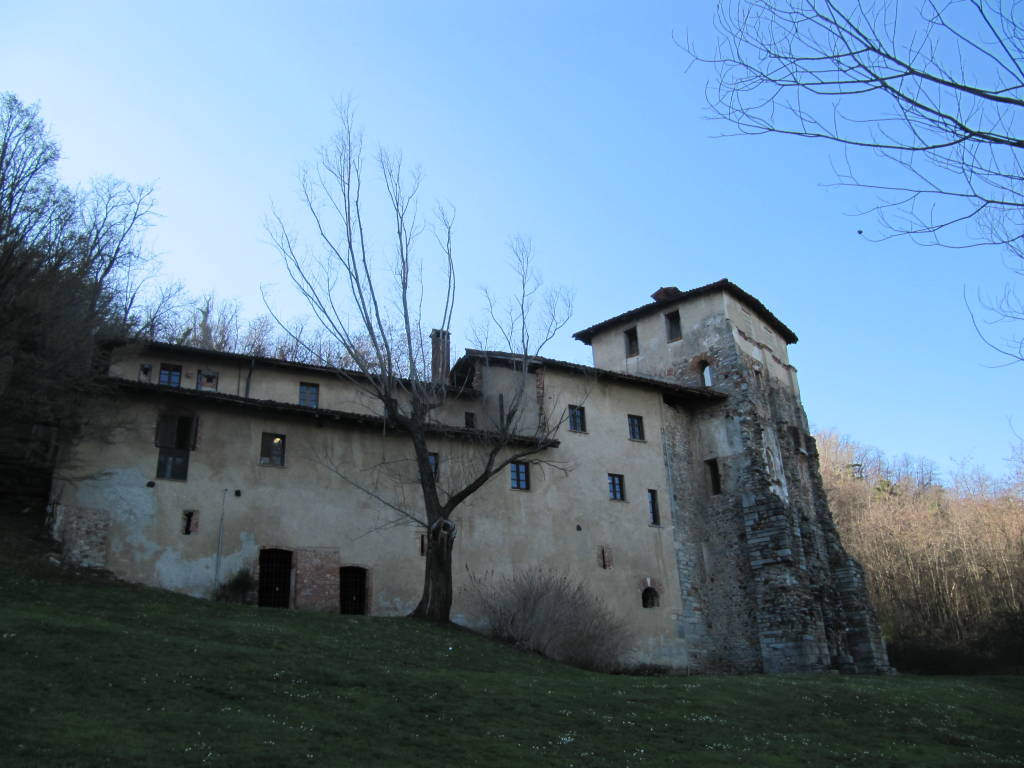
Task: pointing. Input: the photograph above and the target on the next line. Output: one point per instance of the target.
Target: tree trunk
(436, 602)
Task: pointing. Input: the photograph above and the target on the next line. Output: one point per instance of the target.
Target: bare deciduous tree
(934, 87)
(373, 308)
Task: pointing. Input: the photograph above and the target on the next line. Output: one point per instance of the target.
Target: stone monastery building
(682, 486)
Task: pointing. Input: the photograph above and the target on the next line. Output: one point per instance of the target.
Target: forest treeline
(944, 561)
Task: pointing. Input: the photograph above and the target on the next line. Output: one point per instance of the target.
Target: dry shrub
(945, 562)
(549, 613)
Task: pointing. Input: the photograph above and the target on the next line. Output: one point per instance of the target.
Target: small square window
(470, 420)
(653, 514)
(616, 487)
(170, 375)
(577, 418)
(714, 476)
(636, 427)
(206, 381)
(272, 450)
(632, 343)
(309, 395)
(519, 474)
(673, 328)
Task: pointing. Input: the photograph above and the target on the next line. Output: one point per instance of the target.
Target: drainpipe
(248, 378)
(220, 540)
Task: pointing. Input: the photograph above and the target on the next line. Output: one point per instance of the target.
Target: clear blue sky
(576, 124)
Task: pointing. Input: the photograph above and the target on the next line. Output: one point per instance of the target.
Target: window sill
(638, 440)
(619, 501)
(272, 466)
(677, 338)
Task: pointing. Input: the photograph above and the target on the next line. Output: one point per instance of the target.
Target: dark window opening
(145, 369)
(423, 545)
(189, 521)
(636, 427)
(706, 374)
(519, 472)
(309, 395)
(649, 598)
(175, 437)
(352, 590)
(577, 418)
(470, 420)
(673, 327)
(653, 513)
(206, 381)
(275, 581)
(616, 487)
(272, 450)
(632, 343)
(714, 476)
(604, 557)
(170, 375)
(435, 464)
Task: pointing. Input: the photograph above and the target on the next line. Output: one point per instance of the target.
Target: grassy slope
(96, 672)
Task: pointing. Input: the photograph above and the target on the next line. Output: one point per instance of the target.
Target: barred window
(636, 427)
(309, 394)
(616, 487)
(577, 418)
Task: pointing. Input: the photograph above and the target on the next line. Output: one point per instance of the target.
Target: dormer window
(632, 342)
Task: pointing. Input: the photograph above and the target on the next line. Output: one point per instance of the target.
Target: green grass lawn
(96, 672)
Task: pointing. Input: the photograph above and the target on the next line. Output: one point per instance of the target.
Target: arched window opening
(649, 598)
(706, 374)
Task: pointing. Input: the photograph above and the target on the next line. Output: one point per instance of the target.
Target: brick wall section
(317, 579)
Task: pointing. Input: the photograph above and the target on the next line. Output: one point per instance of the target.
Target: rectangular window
(272, 450)
(170, 375)
(714, 476)
(189, 521)
(604, 557)
(519, 474)
(616, 487)
(636, 427)
(423, 545)
(470, 420)
(206, 381)
(175, 437)
(673, 328)
(435, 464)
(577, 418)
(632, 343)
(653, 514)
(309, 395)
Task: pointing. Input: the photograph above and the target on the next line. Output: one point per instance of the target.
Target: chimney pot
(666, 293)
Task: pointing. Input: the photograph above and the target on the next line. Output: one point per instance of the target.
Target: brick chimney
(665, 294)
(440, 355)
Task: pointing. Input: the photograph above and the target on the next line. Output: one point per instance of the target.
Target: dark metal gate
(353, 590)
(275, 578)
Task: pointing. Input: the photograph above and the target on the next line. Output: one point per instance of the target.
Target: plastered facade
(747, 569)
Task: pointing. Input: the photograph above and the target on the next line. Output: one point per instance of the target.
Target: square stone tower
(766, 583)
